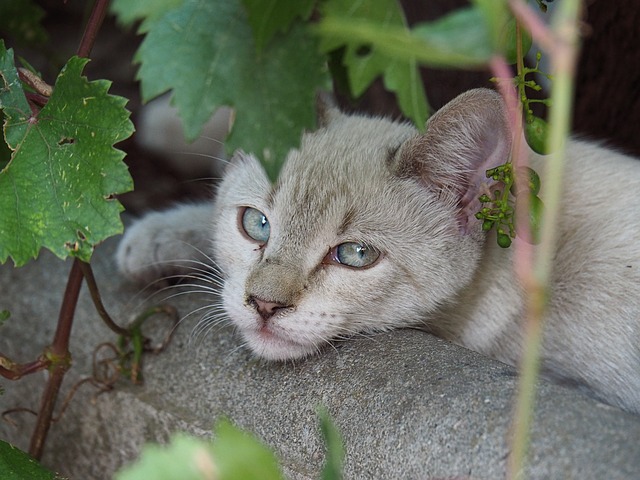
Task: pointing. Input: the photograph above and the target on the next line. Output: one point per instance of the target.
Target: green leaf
(128, 12)
(239, 456)
(17, 465)
(234, 455)
(4, 316)
(458, 40)
(185, 458)
(335, 451)
(57, 190)
(501, 28)
(462, 35)
(496, 15)
(20, 20)
(358, 27)
(268, 17)
(204, 52)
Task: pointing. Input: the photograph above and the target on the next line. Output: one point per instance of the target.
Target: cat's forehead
(347, 158)
(338, 175)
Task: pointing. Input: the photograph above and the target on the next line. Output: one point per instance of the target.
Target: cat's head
(369, 226)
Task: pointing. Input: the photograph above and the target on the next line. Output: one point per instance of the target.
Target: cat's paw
(165, 244)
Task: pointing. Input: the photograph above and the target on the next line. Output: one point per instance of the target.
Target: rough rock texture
(408, 404)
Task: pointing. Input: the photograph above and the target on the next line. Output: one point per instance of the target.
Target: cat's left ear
(463, 139)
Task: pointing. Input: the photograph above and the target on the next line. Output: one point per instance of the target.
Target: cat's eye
(255, 224)
(353, 254)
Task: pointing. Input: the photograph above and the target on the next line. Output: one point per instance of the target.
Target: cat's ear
(463, 139)
(326, 108)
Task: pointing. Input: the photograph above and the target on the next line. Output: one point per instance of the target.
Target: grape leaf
(204, 51)
(462, 35)
(495, 15)
(17, 465)
(234, 455)
(501, 29)
(57, 189)
(365, 61)
(185, 458)
(460, 39)
(268, 17)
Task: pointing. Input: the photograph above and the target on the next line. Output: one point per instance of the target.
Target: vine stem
(560, 42)
(58, 352)
(93, 26)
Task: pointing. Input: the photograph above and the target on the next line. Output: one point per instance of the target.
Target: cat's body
(398, 206)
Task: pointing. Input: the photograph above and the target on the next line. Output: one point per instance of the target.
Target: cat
(371, 227)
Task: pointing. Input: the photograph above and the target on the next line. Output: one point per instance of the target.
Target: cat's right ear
(463, 139)
(326, 109)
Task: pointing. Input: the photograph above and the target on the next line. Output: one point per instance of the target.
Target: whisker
(212, 181)
(205, 325)
(241, 346)
(212, 139)
(204, 155)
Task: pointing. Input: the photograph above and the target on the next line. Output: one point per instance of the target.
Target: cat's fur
(411, 196)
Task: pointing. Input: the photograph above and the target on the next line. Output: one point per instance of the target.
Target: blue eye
(255, 224)
(354, 254)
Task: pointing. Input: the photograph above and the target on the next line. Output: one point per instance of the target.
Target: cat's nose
(265, 308)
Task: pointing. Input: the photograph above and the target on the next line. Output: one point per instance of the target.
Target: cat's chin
(274, 347)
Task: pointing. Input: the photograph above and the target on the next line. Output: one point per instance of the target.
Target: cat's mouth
(267, 333)
(271, 344)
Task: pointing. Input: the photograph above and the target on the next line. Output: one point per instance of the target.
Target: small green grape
(504, 240)
(487, 225)
(526, 176)
(535, 131)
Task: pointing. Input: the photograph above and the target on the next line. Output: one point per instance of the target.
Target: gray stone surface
(408, 405)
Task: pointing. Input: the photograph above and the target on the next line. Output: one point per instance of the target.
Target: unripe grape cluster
(498, 209)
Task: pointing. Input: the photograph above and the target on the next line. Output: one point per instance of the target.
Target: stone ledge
(408, 405)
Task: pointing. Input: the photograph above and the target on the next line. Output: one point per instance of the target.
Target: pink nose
(265, 308)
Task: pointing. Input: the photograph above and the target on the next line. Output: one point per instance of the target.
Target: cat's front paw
(165, 244)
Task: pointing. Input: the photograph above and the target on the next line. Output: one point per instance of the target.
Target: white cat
(370, 228)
